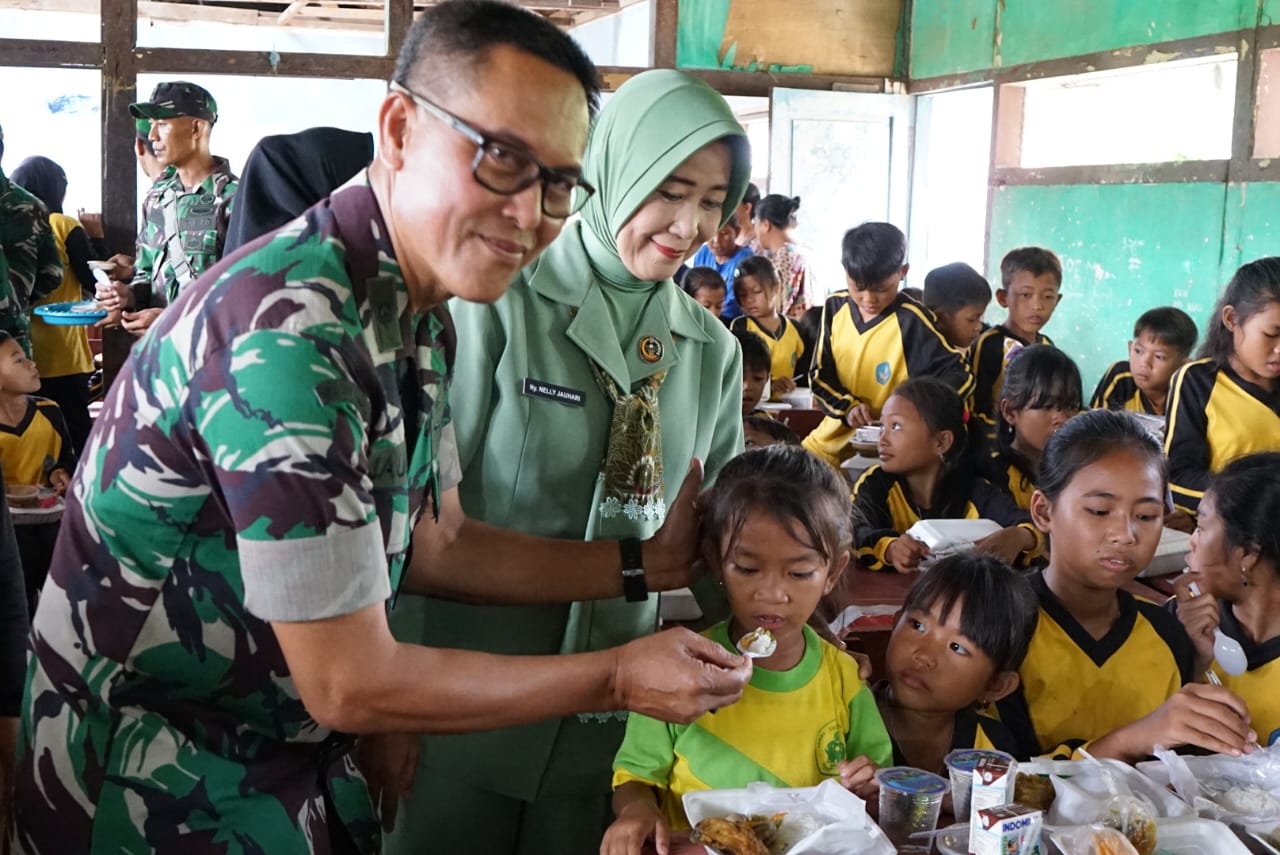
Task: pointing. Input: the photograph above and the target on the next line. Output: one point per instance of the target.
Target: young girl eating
(759, 294)
(924, 473)
(1105, 669)
(775, 532)
(1227, 404)
(1041, 391)
(959, 641)
(1234, 565)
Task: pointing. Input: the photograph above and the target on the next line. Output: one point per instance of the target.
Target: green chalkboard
(1125, 249)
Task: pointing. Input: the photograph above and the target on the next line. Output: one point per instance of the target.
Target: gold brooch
(650, 349)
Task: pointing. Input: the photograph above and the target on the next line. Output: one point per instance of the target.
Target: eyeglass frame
(482, 141)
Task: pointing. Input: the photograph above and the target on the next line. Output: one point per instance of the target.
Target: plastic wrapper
(1234, 790)
(1093, 840)
(842, 826)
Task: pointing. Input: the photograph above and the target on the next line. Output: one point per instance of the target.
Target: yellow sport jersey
(988, 356)
(1007, 472)
(862, 362)
(1259, 686)
(36, 446)
(1215, 416)
(790, 729)
(1077, 688)
(785, 348)
(884, 511)
(1117, 390)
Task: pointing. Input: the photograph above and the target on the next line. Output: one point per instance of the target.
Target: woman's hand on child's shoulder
(905, 554)
(639, 821)
(858, 776)
(1209, 717)
(1199, 616)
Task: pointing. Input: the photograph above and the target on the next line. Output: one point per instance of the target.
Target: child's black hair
(998, 607)
(776, 430)
(755, 351)
(1038, 377)
(762, 270)
(701, 277)
(915, 294)
(1169, 326)
(1246, 494)
(1086, 439)
(751, 198)
(1254, 287)
(5, 335)
(942, 408)
(786, 482)
(952, 287)
(778, 211)
(872, 252)
(1035, 260)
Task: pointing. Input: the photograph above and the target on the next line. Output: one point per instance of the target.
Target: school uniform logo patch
(830, 749)
(883, 371)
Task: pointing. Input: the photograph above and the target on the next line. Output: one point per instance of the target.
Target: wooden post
(666, 19)
(399, 18)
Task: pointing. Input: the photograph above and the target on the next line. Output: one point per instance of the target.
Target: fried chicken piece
(730, 836)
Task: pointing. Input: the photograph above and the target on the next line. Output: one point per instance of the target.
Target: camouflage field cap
(177, 98)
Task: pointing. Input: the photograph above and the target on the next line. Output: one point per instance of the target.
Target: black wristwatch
(634, 587)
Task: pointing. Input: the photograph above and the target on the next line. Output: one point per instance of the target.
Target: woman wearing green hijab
(583, 397)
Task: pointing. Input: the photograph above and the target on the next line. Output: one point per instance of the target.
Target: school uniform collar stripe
(1099, 650)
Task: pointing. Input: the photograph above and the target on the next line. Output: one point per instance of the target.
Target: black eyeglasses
(508, 169)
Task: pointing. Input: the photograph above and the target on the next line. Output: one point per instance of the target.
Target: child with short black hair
(1162, 342)
(956, 648)
(759, 294)
(775, 530)
(1041, 392)
(1226, 404)
(925, 472)
(1106, 670)
(873, 339)
(757, 363)
(723, 255)
(958, 296)
(706, 286)
(1030, 288)
(762, 431)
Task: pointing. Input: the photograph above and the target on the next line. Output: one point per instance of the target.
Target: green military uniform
(546, 372)
(263, 457)
(28, 258)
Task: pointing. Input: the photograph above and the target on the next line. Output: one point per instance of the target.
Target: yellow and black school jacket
(857, 362)
(37, 445)
(971, 730)
(1259, 685)
(988, 356)
(785, 348)
(1215, 417)
(1009, 473)
(883, 510)
(1076, 688)
(1117, 390)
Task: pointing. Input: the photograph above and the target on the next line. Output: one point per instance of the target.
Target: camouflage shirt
(262, 457)
(182, 232)
(30, 258)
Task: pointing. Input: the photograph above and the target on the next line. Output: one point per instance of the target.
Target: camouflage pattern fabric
(202, 214)
(31, 259)
(279, 400)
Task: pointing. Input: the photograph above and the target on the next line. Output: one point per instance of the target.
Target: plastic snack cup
(960, 765)
(910, 800)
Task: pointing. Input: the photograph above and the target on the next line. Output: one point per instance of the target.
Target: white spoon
(757, 644)
(1229, 654)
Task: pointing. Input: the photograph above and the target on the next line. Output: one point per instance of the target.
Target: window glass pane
(56, 113)
(1266, 141)
(75, 21)
(1170, 111)
(355, 28)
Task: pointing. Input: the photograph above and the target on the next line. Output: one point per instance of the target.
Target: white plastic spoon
(1229, 654)
(757, 644)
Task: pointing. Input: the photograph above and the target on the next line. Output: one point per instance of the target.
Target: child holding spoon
(775, 532)
(1229, 598)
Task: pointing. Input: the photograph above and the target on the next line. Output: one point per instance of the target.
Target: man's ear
(1003, 684)
(1041, 512)
(839, 564)
(393, 129)
(1002, 298)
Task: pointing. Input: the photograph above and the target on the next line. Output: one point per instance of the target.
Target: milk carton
(993, 779)
(1006, 830)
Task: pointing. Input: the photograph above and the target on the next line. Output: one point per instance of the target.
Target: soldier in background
(30, 268)
(186, 211)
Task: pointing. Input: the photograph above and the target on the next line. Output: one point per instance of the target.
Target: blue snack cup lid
(913, 782)
(965, 759)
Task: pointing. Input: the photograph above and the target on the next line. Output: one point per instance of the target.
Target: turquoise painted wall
(1125, 249)
(955, 36)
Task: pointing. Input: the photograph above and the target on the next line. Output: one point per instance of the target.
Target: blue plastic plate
(71, 314)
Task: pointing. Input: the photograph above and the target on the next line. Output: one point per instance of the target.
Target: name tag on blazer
(551, 392)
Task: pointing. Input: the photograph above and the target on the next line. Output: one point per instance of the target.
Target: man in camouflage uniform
(215, 614)
(30, 268)
(186, 212)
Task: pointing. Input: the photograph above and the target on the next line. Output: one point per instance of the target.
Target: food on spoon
(759, 642)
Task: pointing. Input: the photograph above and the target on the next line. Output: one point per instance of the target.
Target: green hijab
(651, 125)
